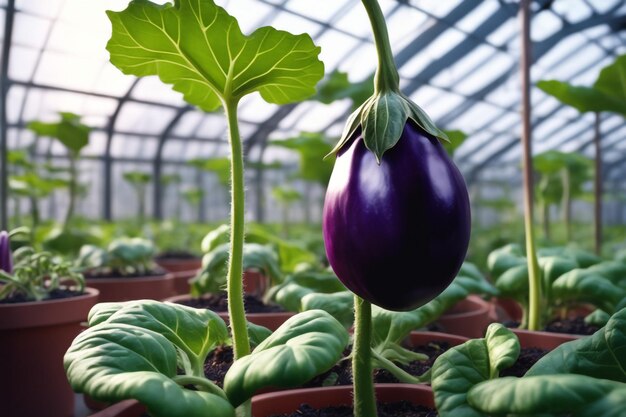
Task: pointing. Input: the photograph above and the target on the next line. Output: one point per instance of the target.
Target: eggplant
(6, 262)
(396, 232)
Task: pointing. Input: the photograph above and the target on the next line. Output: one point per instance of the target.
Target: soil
(571, 326)
(398, 409)
(575, 325)
(176, 254)
(218, 363)
(526, 359)
(54, 295)
(219, 303)
(115, 273)
(341, 373)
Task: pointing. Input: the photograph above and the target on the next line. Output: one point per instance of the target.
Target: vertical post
(4, 89)
(597, 218)
(534, 280)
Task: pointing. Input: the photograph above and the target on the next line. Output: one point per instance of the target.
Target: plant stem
(534, 278)
(597, 188)
(396, 371)
(236, 312)
(364, 396)
(566, 202)
(72, 191)
(202, 384)
(386, 77)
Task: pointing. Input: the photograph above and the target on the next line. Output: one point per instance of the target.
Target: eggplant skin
(397, 233)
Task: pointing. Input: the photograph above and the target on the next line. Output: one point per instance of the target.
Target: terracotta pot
(470, 317)
(270, 320)
(181, 281)
(127, 408)
(155, 287)
(543, 340)
(506, 309)
(34, 337)
(255, 283)
(283, 402)
(423, 338)
(179, 264)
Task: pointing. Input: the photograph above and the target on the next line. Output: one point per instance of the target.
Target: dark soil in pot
(54, 295)
(398, 409)
(175, 254)
(527, 358)
(157, 272)
(219, 303)
(575, 325)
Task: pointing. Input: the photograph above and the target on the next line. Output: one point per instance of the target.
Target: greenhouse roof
(459, 60)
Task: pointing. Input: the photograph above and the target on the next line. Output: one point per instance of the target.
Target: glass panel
(572, 10)
(293, 24)
(29, 30)
(153, 89)
(439, 8)
(97, 144)
(544, 25)
(213, 126)
(486, 74)
(475, 18)
(433, 51)
(22, 63)
(320, 115)
(254, 109)
(505, 33)
(125, 146)
(188, 123)
(15, 99)
(46, 8)
(67, 71)
(404, 26)
(142, 118)
(248, 13)
(336, 48)
(316, 10)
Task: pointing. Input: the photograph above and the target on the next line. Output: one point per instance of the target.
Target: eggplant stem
(364, 395)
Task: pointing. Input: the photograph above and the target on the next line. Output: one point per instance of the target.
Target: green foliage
(291, 292)
(583, 99)
(549, 395)
(69, 131)
(219, 166)
(125, 256)
(286, 195)
(133, 350)
(31, 184)
(304, 346)
(459, 369)
(212, 277)
(336, 86)
(137, 178)
(455, 139)
(36, 274)
(612, 80)
(312, 149)
(67, 241)
(193, 195)
(198, 48)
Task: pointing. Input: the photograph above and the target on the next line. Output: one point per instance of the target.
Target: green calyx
(382, 119)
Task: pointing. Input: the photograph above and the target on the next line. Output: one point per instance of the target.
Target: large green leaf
(613, 270)
(583, 99)
(199, 49)
(312, 149)
(581, 285)
(304, 346)
(291, 292)
(549, 395)
(116, 362)
(340, 305)
(602, 355)
(336, 86)
(504, 258)
(464, 366)
(612, 79)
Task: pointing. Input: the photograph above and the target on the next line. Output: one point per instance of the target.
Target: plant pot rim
(424, 395)
(143, 278)
(566, 337)
(478, 307)
(454, 339)
(47, 312)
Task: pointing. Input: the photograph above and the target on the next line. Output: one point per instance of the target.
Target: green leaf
(212, 277)
(340, 305)
(220, 166)
(612, 79)
(69, 131)
(455, 139)
(612, 270)
(113, 362)
(583, 99)
(514, 282)
(286, 195)
(215, 238)
(462, 367)
(580, 285)
(199, 49)
(549, 395)
(602, 355)
(137, 177)
(503, 259)
(312, 148)
(336, 86)
(306, 345)
(291, 292)
(598, 318)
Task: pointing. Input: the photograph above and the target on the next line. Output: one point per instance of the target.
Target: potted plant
(580, 378)
(125, 270)
(42, 299)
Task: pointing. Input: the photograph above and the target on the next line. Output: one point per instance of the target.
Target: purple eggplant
(6, 262)
(397, 233)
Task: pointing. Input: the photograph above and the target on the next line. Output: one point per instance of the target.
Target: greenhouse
(287, 208)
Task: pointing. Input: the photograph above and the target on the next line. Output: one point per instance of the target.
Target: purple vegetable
(397, 233)
(6, 263)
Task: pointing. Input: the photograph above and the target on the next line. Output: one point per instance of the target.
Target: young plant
(193, 196)
(34, 276)
(387, 209)
(286, 196)
(139, 181)
(74, 136)
(123, 256)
